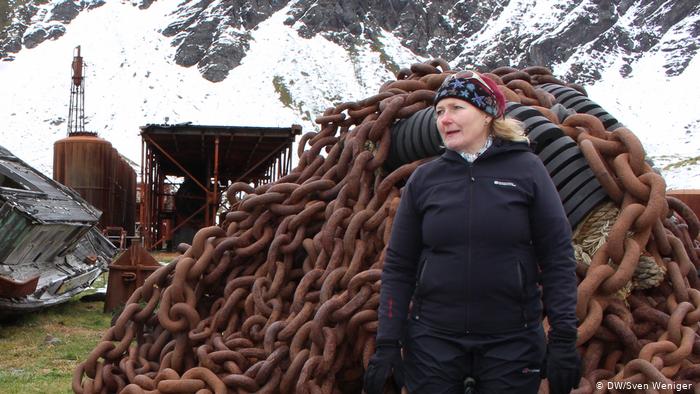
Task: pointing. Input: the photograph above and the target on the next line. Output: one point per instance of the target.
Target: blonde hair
(508, 129)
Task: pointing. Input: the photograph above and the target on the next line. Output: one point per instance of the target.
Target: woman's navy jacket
(472, 242)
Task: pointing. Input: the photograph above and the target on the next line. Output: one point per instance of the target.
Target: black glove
(386, 359)
(562, 366)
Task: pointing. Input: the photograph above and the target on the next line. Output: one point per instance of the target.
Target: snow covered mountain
(274, 63)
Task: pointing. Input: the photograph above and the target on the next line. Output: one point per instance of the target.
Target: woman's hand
(563, 363)
(385, 362)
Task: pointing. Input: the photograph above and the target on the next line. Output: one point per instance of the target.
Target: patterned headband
(470, 87)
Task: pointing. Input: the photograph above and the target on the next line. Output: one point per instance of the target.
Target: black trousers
(438, 362)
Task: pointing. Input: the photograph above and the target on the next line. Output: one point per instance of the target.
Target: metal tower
(76, 111)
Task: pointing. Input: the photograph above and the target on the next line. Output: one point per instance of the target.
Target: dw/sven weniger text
(645, 386)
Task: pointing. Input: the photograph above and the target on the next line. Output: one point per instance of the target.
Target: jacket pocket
(522, 281)
(420, 287)
(420, 281)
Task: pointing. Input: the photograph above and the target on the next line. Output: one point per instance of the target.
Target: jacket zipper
(472, 182)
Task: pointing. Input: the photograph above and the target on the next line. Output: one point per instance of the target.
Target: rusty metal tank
(124, 195)
(690, 197)
(127, 273)
(92, 167)
(129, 185)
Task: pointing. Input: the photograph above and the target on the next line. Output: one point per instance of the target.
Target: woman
(476, 232)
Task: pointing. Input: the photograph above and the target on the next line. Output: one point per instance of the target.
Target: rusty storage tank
(125, 192)
(92, 167)
(86, 163)
(119, 192)
(131, 204)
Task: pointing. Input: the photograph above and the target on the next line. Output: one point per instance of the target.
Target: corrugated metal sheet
(14, 227)
(42, 199)
(49, 246)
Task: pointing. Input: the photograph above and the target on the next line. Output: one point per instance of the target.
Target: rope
(593, 233)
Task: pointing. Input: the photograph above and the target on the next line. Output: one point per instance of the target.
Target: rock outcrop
(584, 37)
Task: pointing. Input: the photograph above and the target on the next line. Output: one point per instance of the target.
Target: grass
(164, 257)
(384, 58)
(683, 163)
(285, 96)
(40, 350)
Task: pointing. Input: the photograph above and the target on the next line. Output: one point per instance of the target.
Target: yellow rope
(648, 273)
(593, 232)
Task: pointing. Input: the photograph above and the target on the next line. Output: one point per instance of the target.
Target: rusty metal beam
(274, 152)
(177, 148)
(143, 188)
(252, 152)
(230, 144)
(146, 194)
(180, 225)
(172, 159)
(214, 193)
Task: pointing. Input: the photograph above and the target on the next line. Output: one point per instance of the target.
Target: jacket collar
(498, 147)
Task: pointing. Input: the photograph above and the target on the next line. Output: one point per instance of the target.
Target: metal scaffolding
(186, 169)
(76, 108)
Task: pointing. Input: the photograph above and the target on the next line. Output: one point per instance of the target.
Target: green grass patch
(683, 163)
(39, 351)
(282, 91)
(163, 256)
(385, 59)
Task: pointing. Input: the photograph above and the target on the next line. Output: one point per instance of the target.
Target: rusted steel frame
(142, 189)
(153, 200)
(255, 166)
(215, 192)
(182, 223)
(180, 166)
(252, 151)
(212, 195)
(159, 187)
(146, 201)
(146, 194)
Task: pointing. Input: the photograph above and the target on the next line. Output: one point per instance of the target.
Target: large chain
(283, 296)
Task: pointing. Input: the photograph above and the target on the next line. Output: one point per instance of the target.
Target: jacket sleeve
(551, 236)
(400, 267)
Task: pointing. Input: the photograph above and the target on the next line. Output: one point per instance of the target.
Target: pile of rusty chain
(651, 336)
(283, 296)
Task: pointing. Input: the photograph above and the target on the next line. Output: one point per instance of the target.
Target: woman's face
(462, 126)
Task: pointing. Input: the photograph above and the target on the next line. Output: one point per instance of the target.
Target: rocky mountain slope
(584, 36)
(607, 45)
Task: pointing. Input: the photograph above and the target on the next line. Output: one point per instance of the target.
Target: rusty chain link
(283, 296)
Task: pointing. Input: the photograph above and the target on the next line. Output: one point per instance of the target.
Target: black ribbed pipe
(414, 138)
(573, 99)
(417, 137)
